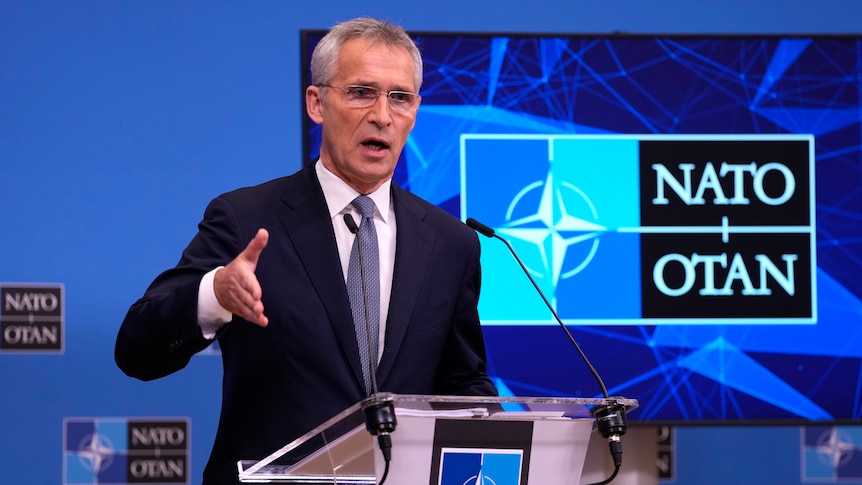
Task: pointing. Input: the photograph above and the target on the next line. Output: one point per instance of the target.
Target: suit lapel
(307, 223)
(413, 244)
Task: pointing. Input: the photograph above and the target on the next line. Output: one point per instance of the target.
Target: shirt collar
(339, 195)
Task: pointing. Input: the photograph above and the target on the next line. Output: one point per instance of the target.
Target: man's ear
(314, 104)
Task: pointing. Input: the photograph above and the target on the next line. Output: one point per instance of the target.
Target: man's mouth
(375, 145)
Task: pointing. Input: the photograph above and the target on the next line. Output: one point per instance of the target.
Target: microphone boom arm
(488, 232)
(611, 417)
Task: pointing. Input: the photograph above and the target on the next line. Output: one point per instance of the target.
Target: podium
(442, 440)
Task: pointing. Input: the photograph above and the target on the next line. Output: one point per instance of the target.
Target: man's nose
(381, 110)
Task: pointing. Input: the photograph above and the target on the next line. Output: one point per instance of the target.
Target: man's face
(361, 145)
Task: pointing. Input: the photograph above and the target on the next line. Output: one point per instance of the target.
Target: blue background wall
(120, 120)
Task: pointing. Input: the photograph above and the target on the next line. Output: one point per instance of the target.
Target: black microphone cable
(610, 418)
(379, 417)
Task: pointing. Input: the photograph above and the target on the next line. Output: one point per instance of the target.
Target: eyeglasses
(366, 97)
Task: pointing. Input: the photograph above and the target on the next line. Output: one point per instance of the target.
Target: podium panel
(517, 449)
(442, 440)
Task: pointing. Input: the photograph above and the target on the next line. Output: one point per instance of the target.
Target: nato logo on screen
(471, 466)
(125, 451)
(620, 229)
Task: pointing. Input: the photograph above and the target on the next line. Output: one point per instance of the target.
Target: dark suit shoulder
(442, 221)
(291, 190)
(274, 186)
(271, 189)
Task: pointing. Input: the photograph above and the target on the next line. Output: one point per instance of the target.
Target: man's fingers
(236, 287)
(253, 311)
(242, 298)
(251, 253)
(251, 289)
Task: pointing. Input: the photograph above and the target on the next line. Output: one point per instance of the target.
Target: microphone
(379, 416)
(610, 417)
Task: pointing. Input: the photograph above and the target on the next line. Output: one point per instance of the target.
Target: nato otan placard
(125, 450)
(31, 317)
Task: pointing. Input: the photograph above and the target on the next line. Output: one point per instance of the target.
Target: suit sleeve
(160, 332)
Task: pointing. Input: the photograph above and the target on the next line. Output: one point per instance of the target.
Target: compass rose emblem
(557, 225)
(96, 452)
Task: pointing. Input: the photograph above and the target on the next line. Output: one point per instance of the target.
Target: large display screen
(691, 207)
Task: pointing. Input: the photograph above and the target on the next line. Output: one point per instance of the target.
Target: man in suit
(266, 273)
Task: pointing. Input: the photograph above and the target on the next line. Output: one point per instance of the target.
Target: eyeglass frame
(378, 93)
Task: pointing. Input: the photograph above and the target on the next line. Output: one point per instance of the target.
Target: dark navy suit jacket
(303, 368)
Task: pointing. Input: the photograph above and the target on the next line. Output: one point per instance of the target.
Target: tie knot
(365, 206)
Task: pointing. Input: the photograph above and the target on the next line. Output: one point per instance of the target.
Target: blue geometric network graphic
(524, 85)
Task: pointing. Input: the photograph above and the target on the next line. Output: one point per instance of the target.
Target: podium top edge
(589, 402)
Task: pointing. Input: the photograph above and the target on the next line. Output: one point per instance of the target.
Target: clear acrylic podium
(542, 440)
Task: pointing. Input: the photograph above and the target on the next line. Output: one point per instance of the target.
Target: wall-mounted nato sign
(661, 191)
(831, 454)
(31, 318)
(679, 229)
(125, 450)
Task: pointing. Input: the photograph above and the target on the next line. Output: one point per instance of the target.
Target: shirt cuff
(211, 315)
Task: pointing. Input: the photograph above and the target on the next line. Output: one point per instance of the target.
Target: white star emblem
(96, 452)
(834, 448)
(554, 228)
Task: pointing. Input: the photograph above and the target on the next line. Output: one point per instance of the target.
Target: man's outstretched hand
(236, 287)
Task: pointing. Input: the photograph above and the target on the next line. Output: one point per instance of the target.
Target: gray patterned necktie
(365, 265)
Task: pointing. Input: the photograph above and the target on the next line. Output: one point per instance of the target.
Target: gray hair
(324, 59)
